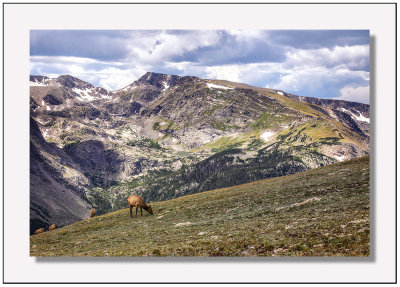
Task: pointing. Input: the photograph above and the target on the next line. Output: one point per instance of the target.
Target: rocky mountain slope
(58, 187)
(165, 136)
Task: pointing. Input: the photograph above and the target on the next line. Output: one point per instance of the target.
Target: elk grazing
(37, 231)
(137, 201)
(52, 227)
(92, 212)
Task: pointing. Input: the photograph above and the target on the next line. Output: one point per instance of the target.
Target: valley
(166, 136)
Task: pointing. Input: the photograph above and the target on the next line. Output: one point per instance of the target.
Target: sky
(314, 63)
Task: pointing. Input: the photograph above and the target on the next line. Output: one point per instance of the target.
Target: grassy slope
(322, 212)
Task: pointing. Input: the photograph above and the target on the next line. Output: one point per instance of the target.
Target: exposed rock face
(102, 165)
(52, 100)
(57, 185)
(164, 136)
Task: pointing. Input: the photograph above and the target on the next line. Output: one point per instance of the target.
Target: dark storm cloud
(231, 51)
(100, 45)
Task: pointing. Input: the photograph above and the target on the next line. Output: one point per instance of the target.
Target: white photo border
(20, 18)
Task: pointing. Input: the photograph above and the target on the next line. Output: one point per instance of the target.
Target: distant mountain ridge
(164, 136)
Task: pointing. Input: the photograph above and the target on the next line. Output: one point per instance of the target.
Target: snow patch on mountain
(40, 81)
(40, 84)
(360, 118)
(166, 86)
(86, 93)
(339, 158)
(218, 87)
(266, 136)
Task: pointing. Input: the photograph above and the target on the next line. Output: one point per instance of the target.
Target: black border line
(3, 145)
(395, 125)
(198, 3)
(201, 3)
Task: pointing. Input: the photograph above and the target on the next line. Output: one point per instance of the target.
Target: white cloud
(243, 73)
(247, 35)
(357, 94)
(156, 48)
(113, 79)
(225, 72)
(51, 60)
(322, 82)
(347, 57)
(182, 66)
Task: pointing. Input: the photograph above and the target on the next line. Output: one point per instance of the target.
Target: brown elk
(52, 227)
(137, 201)
(92, 212)
(37, 231)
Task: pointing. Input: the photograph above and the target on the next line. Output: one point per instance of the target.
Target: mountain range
(164, 136)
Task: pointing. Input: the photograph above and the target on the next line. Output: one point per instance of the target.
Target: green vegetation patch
(255, 144)
(213, 109)
(156, 126)
(294, 104)
(220, 125)
(269, 120)
(228, 142)
(311, 132)
(146, 142)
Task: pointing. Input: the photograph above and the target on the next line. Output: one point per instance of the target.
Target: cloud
(141, 46)
(355, 94)
(228, 72)
(349, 57)
(100, 45)
(319, 82)
(315, 39)
(235, 47)
(165, 45)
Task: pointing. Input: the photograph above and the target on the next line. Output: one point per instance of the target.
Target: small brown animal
(92, 212)
(137, 201)
(37, 231)
(52, 227)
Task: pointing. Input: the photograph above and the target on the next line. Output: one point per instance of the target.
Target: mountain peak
(37, 80)
(65, 87)
(157, 79)
(72, 82)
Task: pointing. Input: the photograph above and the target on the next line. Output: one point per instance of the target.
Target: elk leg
(136, 210)
(141, 211)
(130, 210)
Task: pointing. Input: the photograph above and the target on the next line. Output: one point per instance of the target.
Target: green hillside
(321, 212)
